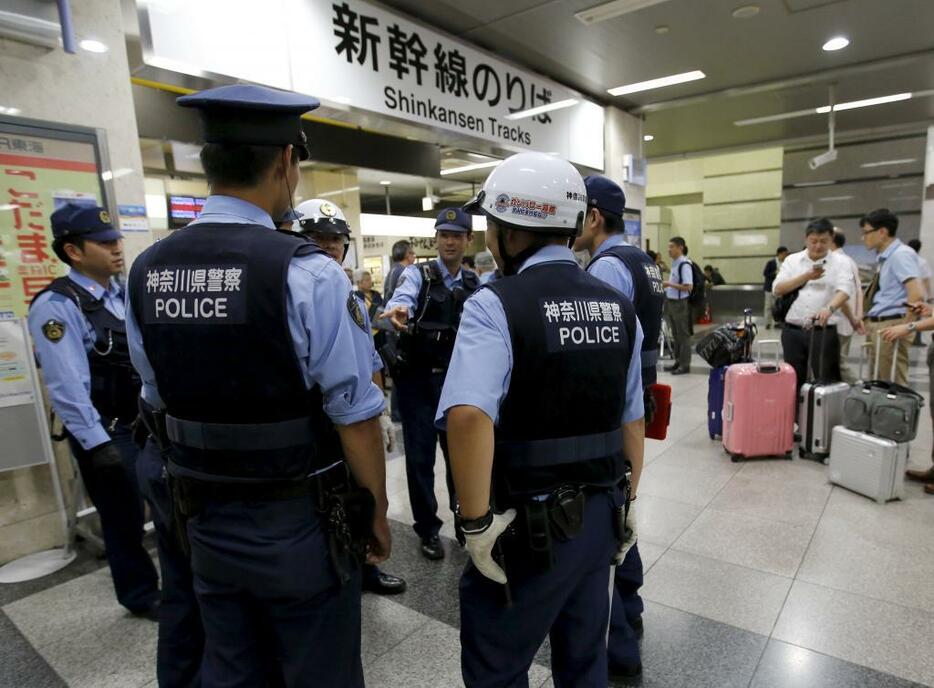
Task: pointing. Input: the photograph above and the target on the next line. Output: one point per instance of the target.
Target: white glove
(385, 425)
(631, 524)
(480, 546)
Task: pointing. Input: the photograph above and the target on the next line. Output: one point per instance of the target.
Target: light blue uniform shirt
(897, 264)
(65, 366)
(333, 352)
(679, 275)
(410, 283)
(487, 277)
(613, 272)
(481, 366)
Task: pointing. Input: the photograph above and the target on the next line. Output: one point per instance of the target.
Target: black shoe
(624, 672)
(636, 625)
(671, 368)
(432, 549)
(380, 583)
(151, 613)
(680, 371)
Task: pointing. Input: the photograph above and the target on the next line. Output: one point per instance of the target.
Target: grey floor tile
(681, 650)
(20, 664)
(697, 451)
(760, 496)
(881, 551)
(386, 624)
(879, 635)
(428, 658)
(649, 553)
(768, 546)
(86, 562)
(799, 471)
(731, 594)
(790, 666)
(661, 521)
(695, 486)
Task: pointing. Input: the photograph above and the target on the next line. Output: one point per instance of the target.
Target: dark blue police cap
(252, 115)
(85, 221)
(605, 194)
(454, 220)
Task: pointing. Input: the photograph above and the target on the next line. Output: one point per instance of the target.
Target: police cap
(252, 115)
(453, 220)
(605, 194)
(74, 220)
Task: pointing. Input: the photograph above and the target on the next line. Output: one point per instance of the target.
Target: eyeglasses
(867, 232)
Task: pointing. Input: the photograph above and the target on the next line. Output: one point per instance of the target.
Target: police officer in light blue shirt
(77, 326)
(251, 345)
(546, 378)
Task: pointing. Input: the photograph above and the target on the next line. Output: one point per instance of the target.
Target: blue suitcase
(715, 402)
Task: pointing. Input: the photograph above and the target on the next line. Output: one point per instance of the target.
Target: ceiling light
(837, 198)
(428, 203)
(648, 137)
(745, 12)
(661, 82)
(662, 29)
(470, 168)
(385, 182)
(548, 107)
(9, 110)
(836, 43)
(615, 8)
(802, 185)
(886, 163)
(93, 46)
(774, 118)
(868, 102)
(478, 156)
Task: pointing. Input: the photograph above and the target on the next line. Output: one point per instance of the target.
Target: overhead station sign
(355, 54)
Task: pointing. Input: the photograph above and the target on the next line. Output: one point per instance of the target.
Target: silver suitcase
(869, 465)
(820, 408)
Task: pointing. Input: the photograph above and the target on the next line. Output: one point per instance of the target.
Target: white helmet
(319, 215)
(535, 192)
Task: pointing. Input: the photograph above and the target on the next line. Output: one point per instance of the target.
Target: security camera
(822, 159)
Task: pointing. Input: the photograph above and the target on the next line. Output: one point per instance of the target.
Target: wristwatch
(474, 526)
(912, 326)
(832, 309)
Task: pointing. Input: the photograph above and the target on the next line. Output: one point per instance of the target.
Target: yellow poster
(37, 175)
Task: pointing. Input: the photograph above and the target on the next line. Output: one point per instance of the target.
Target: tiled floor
(757, 574)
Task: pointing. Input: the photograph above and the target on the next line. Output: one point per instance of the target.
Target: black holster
(559, 517)
(621, 513)
(349, 520)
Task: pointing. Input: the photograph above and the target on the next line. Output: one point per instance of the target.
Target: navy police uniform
(630, 270)
(250, 343)
(546, 355)
(78, 329)
(435, 299)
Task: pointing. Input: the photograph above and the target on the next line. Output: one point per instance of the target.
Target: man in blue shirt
(426, 308)
(77, 325)
(678, 309)
(897, 282)
(255, 353)
(545, 377)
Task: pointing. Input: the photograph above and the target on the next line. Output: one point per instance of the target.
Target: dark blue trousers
(181, 636)
(265, 584)
(116, 497)
(570, 604)
(419, 395)
(623, 645)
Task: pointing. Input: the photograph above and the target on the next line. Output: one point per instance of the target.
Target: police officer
(543, 405)
(247, 342)
(631, 271)
(325, 224)
(77, 324)
(426, 306)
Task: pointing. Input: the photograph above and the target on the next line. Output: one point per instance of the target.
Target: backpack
(698, 295)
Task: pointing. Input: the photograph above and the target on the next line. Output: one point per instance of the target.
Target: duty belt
(240, 436)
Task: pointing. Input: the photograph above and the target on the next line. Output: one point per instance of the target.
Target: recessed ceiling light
(886, 163)
(853, 104)
(9, 110)
(745, 12)
(648, 137)
(831, 199)
(824, 109)
(614, 8)
(661, 82)
(548, 107)
(93, 46)
(836, 43)
(662, 29)
(385, 182)
(469, 168)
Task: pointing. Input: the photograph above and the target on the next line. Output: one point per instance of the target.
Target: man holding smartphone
(823, 287)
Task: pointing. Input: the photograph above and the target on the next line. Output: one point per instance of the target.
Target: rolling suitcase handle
(823, 342)
(773, 367)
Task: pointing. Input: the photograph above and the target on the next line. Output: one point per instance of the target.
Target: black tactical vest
(430, 344)
(210, 301)
(649, 301)
(114, 383)
(572, 338)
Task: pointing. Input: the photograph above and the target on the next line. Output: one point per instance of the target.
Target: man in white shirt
(851, 312)
(678, 310)
(823, 285)
(925, 268)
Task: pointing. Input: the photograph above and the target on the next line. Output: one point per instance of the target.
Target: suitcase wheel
(801, 453)
(736, 458)
(788, 455)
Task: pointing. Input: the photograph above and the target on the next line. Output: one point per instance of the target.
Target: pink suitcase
(759, 408)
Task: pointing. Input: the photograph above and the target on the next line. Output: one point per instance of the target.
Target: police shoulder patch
(353, 306)
(53, 330)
